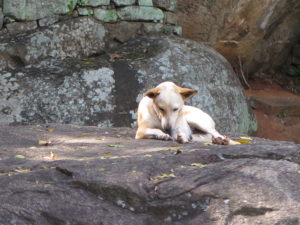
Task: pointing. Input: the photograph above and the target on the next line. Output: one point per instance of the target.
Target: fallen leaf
(116, 145)
(37, 182)
(147, 156)
(83, 147)
(243, 141)
(23, 170)
(50, 129)
(20, 156)
(106, 153)
(44, 143)
(163, 176)
(199, 165)
(84, 134)
(33, 147)
(246, 138)
(101, 169)
(183, 167)
(134, 171)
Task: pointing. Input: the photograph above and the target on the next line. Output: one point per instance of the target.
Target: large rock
(37, 9)
(261, 33)
(88, 175)
(71, 38)
(105, 90)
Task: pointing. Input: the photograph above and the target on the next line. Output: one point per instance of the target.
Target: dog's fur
(162, 115)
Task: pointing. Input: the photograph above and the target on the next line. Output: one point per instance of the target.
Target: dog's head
(168, 100)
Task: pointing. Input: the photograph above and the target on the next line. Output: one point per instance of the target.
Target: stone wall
(17, 16)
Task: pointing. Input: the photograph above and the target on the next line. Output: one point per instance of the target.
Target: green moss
(71, 6)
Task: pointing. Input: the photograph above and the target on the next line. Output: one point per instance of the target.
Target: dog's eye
(161, 109)
(175, 109)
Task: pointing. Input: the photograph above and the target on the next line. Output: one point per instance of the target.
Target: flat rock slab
(66, 174)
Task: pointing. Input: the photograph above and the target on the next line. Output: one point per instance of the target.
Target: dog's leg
(182, 131)
(200, 120)
(151, 133)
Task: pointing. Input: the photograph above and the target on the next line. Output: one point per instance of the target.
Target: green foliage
(71, 6)
(83, 2)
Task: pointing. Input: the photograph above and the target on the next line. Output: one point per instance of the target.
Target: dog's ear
(152, 93)
(187, 92)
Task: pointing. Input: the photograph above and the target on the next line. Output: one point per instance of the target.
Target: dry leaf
(116, 145)
(20, 156)
(50, 129)
(44, 143)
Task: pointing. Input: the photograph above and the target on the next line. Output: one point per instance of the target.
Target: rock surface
(105, 90)
(106, 177)
(71, 38)
(251, 30)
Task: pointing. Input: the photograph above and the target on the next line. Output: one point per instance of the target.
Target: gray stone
(123, 31)
(93, 91)
(88, 175)
(20, 27)
(171, 18)
(48, 21)
(37, 9)
(170, 5)
(145, 2)
(65, 39)
(106, 15)
(85, 11)
(93, 2)
(124, 2)
(137, 13)
(1, 18)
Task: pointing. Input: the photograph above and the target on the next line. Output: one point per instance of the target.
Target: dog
(163, 115)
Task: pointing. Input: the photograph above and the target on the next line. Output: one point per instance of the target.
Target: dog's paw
(182, 139)
(164, 137)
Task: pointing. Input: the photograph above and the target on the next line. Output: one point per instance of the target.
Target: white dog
(162, 115)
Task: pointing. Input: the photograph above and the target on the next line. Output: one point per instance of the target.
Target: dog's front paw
(164, 137)
(181, 138)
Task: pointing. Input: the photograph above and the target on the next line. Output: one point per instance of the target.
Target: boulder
(251, 30)
(104, 90)
(88, 175)
(70, 38)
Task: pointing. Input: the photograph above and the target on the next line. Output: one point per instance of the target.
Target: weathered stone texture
(16, 28)
(1, 18)
(170, 5)
(124, 2)
(94, 2)
(71, 38)
(37, 9)
(251, 30)
(145, 2)
(89, 175)
(106, 15)
(85, 11)
(136, 13)
(48, 21)
(95, 91)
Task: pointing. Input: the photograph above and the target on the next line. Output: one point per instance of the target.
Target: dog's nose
(168, 130)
